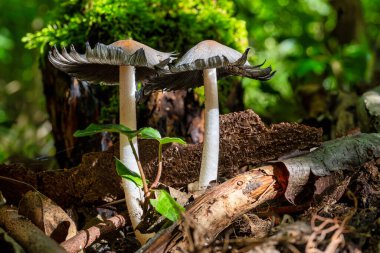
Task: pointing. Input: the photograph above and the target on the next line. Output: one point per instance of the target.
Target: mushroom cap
(188, 71)
(101, 63)
(208, 54)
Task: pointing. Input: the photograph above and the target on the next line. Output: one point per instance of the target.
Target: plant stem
(159, 171)
(142, 174)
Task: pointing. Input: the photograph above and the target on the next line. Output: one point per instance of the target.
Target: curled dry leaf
(332, 156)
(48, 216)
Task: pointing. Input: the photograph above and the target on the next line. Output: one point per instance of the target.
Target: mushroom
(110, 64)
(208, 59)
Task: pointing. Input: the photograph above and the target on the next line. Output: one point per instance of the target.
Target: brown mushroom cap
(101, 64)
(188, 71)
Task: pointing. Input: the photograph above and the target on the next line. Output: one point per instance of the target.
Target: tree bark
(350, 21)
(71, 105)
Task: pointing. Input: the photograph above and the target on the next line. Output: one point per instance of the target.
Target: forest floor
(337, 212)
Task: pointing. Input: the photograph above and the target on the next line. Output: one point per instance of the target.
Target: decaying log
(86, 237)
(222, 204)
(245, 140)
(26, 233)
(218, 208)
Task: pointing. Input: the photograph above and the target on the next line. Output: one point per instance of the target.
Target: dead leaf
(332, 156)
(48, 216)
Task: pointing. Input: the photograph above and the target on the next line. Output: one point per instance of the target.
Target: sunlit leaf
(167, 140)
(167, 206)
(128, 174)
(98, 128)
(149, 133)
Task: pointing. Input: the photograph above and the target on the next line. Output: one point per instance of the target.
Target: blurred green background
(24, 127)
(319, 49)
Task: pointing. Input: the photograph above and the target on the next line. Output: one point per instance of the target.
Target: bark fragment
(218, 208)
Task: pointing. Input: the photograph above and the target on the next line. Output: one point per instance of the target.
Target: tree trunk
(350, 21)
(71, 105)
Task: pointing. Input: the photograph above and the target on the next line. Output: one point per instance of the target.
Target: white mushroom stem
(133, 194)
(210, 153)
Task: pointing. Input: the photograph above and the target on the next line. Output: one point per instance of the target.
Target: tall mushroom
(123, 61)
(208, 60)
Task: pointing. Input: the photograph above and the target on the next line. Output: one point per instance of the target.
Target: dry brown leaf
(332, 156)
(48, 216)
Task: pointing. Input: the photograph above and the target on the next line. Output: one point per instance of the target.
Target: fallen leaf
(332, 156)
(47, 215)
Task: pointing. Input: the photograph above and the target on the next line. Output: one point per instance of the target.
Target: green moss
(166, 25)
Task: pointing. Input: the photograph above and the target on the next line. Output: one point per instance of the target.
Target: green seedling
(149, 133)
(164, 204)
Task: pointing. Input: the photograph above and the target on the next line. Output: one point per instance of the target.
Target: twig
(86, 237)
(113, 203)
(142, 174)
(159, 171)
(19, 182)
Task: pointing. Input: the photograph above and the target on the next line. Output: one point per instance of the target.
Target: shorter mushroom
(110, 64)
(204, 63)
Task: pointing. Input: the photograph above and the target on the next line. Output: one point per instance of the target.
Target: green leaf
(167, 140)
(167, 206)
(153, 134)
(308, 66)
(3, 116)
(126, 173)
(98, 128)
(149, 133)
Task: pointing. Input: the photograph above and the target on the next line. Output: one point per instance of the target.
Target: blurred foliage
(166, 25)
(24, 128)
(298, 39)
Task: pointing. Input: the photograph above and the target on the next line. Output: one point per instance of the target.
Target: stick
(86, 237)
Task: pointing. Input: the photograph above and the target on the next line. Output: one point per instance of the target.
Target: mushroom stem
(133, 194)
(210, 153)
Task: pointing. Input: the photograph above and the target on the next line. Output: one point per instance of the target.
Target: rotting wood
(244, 140)
(86, 237)
(221, 205)
(218, 208)
(26, 233)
